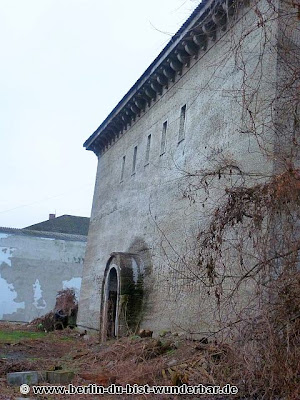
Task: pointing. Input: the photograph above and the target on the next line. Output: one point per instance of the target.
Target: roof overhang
(188, 42)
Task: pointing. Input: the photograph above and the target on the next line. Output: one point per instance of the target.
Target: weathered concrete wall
(33, 268)
(147, 210)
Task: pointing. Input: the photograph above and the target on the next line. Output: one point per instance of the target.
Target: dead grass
(260, 371)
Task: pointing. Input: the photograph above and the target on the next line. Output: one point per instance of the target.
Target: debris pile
(64, 314)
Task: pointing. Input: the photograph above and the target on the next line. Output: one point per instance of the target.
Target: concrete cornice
(187, 43)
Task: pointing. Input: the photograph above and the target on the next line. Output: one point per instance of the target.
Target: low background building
(38, 261)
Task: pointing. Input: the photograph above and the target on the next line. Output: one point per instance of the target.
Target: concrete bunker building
(193, 110)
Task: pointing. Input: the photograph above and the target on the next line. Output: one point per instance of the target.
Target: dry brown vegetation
(170, 360)
(166, 361)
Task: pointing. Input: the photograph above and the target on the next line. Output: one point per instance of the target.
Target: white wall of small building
(32, 270)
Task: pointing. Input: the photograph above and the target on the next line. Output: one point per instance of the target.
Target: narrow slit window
(123, 167)
(163, 138)
(148, 150)
(134, 159)
(182, 123)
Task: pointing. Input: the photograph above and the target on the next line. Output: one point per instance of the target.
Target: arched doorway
(110, 302)
(122, 295)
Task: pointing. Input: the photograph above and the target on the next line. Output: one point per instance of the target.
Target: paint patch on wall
(8, 305)
(6, 254)
(74, 283)
(38, 300)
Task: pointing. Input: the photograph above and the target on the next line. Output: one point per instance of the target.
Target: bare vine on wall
(249, 241)
(256, 211)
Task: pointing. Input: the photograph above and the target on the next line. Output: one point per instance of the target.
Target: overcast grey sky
(64, 66)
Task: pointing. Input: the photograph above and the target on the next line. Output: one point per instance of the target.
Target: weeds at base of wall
(253, 240)
(264, 357)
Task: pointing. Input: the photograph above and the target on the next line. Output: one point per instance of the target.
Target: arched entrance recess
(122, 295)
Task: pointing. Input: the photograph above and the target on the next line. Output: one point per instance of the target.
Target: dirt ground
(169, 360)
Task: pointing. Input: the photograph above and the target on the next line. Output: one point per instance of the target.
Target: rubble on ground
(63, 315)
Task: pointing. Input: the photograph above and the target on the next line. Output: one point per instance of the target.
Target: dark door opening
(112, 299)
